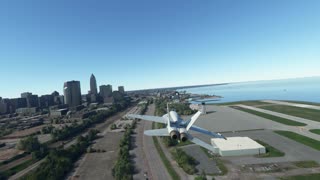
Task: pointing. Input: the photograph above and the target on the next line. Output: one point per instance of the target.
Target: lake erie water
(300, 89)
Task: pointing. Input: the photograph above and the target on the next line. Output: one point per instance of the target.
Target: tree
(29, 144)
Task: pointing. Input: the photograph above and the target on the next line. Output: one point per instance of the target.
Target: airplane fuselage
(176, 126)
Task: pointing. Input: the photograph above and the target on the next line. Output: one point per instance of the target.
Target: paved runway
(293, 104)
(300, 130)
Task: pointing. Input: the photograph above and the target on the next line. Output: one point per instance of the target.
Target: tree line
(60, 161)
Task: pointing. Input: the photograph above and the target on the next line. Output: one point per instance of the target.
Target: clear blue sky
(154, 43)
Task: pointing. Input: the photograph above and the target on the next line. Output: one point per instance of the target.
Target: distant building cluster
(30, 103)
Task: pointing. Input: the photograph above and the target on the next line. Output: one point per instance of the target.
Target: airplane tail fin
(168, 112)
(193, 119)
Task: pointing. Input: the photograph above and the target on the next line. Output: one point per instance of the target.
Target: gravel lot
(206, 164)
(96, 166)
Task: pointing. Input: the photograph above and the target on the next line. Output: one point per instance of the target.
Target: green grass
(306, 164)
(221, 166)
(303, 177)
(306, 113)
(270, 151)
(185, 161)
(271, 117)
(164, 159)
(301, 139)
(18, 168)
(315, 131)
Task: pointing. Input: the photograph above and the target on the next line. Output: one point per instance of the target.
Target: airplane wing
(148, 118)
(201, 143)
(157, 132)
(204, 131)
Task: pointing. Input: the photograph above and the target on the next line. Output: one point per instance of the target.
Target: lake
(299, 89)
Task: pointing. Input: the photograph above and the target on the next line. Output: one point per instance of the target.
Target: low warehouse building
(237, 146)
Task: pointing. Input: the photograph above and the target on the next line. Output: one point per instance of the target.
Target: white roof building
(237, 146)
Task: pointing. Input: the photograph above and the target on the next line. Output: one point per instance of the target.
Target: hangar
(237, 146)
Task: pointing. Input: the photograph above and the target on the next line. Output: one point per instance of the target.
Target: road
(301, 130)
(293, 104)
(155, 166)
(141, 164)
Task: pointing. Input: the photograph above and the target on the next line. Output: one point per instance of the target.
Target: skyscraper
(32, 100)
(121, 89)
(72, 93)
(26, 94)
(3, 106)
(93, 85)
(105, 90)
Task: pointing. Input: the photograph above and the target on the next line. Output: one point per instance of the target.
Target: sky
(154, 43)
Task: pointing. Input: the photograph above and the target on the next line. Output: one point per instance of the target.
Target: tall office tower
(72, 93)
(93, 85)
(121, 89)
(25, 94)
(46, 100)
(18, 103)
(105, 91)
(32, 100)
(3, 106)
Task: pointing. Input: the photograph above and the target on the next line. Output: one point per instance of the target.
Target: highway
(155, 166)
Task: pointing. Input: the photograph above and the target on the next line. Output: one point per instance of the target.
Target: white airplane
(177, 128)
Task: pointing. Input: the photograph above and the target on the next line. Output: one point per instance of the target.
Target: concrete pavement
(300, 130)
(293, 104)
(157, 168)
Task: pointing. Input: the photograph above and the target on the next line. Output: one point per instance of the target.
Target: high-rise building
(3, 106)
(32, 100)
(25, 94)
(105, 91)
(72, 93)
(46, 100)
(121, 89)
(18, 103)
(57, 98)
(93, 85)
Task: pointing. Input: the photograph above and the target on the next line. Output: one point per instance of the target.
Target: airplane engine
(183, 135)
(174, 134)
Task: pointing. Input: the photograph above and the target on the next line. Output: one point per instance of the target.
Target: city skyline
(144, 45)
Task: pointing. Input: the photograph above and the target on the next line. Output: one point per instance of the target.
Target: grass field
(301, 139)
(163, 157)
(311, 114)
(315, 131)
(270, 151)
(306, 164)
(271, 117)
(303, 177)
